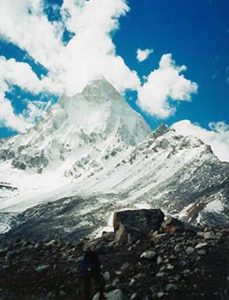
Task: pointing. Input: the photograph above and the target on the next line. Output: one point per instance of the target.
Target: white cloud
(91, 51)
(8, 117)
(217, 136)
(18, 73)
(143, 54)
(164, 84)
(25, 24)
(89, 54)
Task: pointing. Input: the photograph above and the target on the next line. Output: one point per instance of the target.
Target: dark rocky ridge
(64, 218)
(176, 262)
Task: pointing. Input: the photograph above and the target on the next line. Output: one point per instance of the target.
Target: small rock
(177, 248)
(162, 268)
(132, 282)
(186, 271)
(140, 276)
(159, 260)
(134, 296)
(209, 235)
(170, 287)
(51, 295)
(190, 250)
(42, 268)
(160, 295)
(38, 246)
(112, 295)
(118, 273)
(201, 252)
(106, 276)
(125, 266)
(201, 245)
(50, 244)
(170, 267)
(62, 294)
(160, 274)
(148, 254)
(200, 234)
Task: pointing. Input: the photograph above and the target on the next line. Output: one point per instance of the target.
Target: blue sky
(36, 69)
(197, 35)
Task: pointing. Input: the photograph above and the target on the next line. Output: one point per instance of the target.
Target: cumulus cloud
(25, 24)
(91, 50)
(8, 117)
(143, 54)
(217, 136)
(20, 74)
(164, 84)
(90, 53)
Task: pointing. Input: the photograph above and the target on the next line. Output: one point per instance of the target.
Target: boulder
(132, 225)
(108, 236)
(172, 225)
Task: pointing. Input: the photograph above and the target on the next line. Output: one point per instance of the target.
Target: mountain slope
(94, 146)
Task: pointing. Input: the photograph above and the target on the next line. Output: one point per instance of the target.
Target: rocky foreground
(145, 257)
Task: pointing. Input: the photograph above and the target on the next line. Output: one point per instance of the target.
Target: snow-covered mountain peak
(100, 108)
(97, 117)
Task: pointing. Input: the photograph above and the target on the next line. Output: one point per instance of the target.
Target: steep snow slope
(95, 146)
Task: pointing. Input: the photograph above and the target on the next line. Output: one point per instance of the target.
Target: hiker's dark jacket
(90, 263)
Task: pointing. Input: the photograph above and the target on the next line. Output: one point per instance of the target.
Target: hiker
(90, 269)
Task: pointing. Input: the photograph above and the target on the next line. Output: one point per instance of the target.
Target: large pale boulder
(131, 225)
